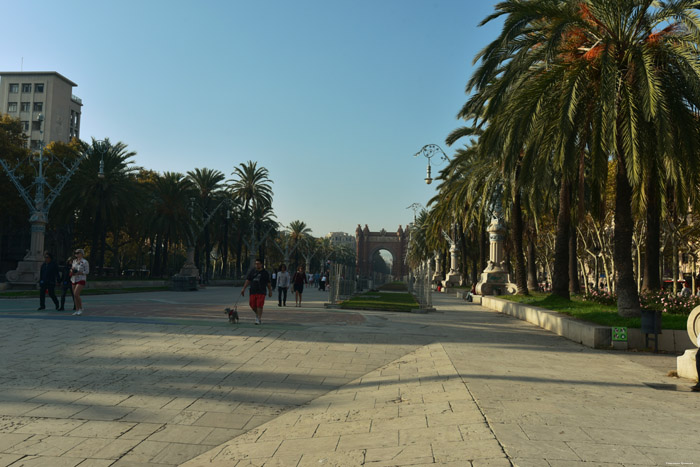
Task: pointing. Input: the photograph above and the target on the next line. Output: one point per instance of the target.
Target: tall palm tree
(172, 219)
(618, 63)
(299, 234)
(252, 187)
(209, 187)
(103, 202)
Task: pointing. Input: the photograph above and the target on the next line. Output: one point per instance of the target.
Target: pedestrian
(274, 279)
(48, 278)
(685, 292)
(299, 280)
(258, 279)
(80, 268)
(324, 278)
(66, 284)
(283, 280)
(317, 280)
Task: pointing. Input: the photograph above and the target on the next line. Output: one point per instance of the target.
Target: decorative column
(437, 278)
(495, 279)
(453, 277)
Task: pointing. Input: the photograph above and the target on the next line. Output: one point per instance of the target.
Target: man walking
(48, 277)
(258, 279)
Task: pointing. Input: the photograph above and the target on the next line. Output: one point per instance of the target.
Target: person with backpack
(258, 279)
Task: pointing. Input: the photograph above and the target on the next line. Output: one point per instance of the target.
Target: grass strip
(35, 293)
(394, 287)
(597, 313)
(381, 301)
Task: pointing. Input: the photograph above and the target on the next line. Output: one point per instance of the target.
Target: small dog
(232, 315)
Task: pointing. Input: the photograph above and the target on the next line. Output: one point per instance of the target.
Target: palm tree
(208, 184)
(251, 187)
(106, 201)
(299, 234)
(172, 219)
(610, 65)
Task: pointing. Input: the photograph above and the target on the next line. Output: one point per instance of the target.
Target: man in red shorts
(258, 279)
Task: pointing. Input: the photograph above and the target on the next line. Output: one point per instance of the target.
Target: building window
(14, 88)
(39, 87)
(38, 106)
(12, 106)
(25, 106)
(26, 87)
(25, 125)
(36, 125)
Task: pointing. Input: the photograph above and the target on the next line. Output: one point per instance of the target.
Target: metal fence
(342, 283)
(419, 284)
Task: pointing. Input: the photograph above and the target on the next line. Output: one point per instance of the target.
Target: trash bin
(651, 322)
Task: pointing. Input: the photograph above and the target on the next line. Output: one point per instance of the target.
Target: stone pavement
(465, 386)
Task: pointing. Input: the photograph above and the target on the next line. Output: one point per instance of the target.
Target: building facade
(342, 238)
(26, 95)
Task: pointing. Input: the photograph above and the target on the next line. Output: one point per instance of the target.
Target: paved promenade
(162, 379)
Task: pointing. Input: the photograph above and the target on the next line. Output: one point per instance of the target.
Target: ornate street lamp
(27, 272)
(429, 151)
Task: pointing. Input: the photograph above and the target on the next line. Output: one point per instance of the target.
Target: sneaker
(695, 388)
(41, 308)
(257, 321)
(77, 312)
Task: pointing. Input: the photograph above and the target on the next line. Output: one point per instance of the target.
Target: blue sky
(332, 97)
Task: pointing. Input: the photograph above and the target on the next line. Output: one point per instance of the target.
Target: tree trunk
(483, 247)
(224, 252)
(166, 244)
(627, 296)
(652, 279)
(520, 269)
(532, 282)
(560, 279)
(574, 284)
(676, 262)
(155, 261)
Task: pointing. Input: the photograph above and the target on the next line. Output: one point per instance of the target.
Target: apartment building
(342, 238)
(26, 95)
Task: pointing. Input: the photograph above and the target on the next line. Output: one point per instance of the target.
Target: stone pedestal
(28, 270)
(189, 269)
(437, 278)
(685, 365)
(495, 279)
(454, 278)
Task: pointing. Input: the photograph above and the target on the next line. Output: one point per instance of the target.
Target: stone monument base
(495, 283)
(685, 365)
(26, 274)
(452, 280)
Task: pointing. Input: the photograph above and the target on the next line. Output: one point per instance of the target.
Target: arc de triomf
(368, 243)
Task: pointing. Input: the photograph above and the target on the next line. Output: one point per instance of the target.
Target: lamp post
(45, 193)
(429, 151)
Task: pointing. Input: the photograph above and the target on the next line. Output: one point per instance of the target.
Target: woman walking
(283, 280)
(80, 268)
(66, 284)
(299, 280)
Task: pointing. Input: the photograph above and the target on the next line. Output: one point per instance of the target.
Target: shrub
(661, 300)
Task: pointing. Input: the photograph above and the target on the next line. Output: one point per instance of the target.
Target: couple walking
(284, 280)
(73, 279)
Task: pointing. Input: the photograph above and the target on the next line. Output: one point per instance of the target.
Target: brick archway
(368, 243)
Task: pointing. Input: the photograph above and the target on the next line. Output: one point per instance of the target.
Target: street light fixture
(27, 272)
(429, 151)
